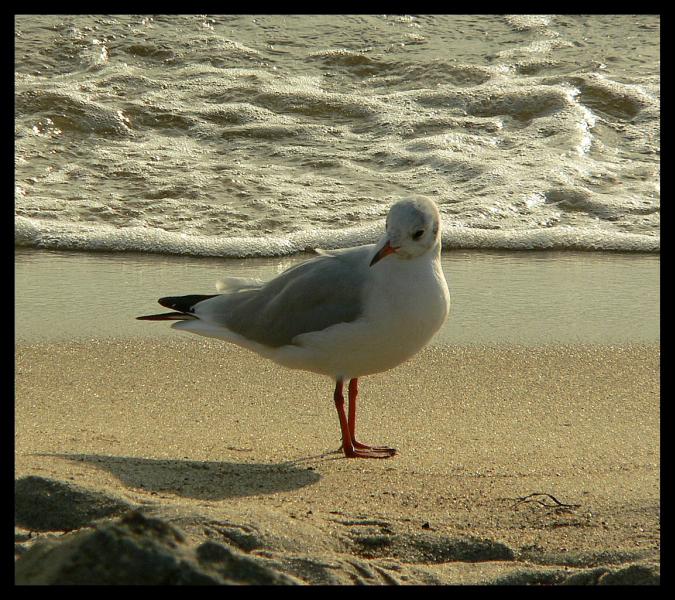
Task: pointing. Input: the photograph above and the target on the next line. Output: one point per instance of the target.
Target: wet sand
(516, 464)
(538, 297)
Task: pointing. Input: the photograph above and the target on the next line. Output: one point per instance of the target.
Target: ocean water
(262, 136)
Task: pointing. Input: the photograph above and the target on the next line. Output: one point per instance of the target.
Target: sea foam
(54, 235)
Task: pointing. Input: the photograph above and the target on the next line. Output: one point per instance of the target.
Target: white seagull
(346, 313)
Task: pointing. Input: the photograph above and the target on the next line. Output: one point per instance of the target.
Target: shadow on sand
(204, 480)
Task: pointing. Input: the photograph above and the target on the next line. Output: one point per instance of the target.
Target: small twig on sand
(536, 497)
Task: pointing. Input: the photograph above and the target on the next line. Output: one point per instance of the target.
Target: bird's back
(308, 297)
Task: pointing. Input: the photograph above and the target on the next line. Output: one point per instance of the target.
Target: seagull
(346, 313)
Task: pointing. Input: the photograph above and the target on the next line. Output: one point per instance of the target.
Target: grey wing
(308, 297)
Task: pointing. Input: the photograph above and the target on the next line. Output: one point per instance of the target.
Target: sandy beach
(516, 464)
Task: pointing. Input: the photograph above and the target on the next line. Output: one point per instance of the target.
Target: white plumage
(344, 314)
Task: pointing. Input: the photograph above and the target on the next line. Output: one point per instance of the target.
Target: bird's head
(412, 229)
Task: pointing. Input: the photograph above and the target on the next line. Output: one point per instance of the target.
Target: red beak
(382, 252)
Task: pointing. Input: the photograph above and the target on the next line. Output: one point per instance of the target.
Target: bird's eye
(418, 234)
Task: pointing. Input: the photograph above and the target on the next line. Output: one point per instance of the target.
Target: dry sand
(230, 463)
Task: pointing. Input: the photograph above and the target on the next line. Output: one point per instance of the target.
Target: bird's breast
(411, 305)
(403, 308)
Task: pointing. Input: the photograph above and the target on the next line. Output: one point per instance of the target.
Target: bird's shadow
(204, 480)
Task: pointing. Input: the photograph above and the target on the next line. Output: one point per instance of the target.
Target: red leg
(350, 446)
(353, 392)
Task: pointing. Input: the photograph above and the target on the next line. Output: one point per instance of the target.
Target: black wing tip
(184, 304)
(169, 301)
(172, 316)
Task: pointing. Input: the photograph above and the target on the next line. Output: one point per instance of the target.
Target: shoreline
(532, 297)
(179, 430)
